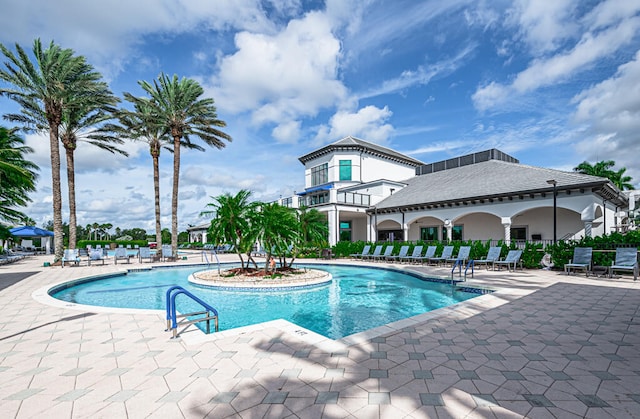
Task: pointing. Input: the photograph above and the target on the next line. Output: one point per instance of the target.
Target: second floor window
(320, 174)
(345, 169)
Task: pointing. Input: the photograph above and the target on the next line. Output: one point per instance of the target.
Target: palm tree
(233, 222)
(179, 109)
(278, 229)
(621, 180)
(17, 176)
(76, 123)
(45, 91)
(313, 227)
(603, 169)
(141, 125)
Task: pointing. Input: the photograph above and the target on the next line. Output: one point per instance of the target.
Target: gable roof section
(490, 179)
(352, 143)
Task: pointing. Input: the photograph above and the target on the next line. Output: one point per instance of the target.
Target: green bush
(562, 251)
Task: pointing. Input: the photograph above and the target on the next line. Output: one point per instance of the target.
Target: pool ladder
(459, 263)
(206, 259)
(209, 312)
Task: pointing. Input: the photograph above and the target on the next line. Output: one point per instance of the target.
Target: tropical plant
(278, 231)
(17, 176)
(77, 122)
(45, 90)
(604, 169)
(313, 227)
(233, 222)
(177, 105)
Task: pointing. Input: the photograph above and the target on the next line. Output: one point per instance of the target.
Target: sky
(552, 83)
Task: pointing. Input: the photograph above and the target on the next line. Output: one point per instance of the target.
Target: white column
(449, 232)
(331, 219)
(47, 245)
(405, 232)
(587, 228)
(506, 223)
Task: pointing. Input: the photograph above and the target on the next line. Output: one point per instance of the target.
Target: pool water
(357, 299)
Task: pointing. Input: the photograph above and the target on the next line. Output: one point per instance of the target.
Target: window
(429, 233)
(320, 174)
(456, 233)
(345, 231)
(518, 233)
(345, 169)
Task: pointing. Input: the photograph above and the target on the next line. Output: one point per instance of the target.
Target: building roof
(352, 143)
(492, 179)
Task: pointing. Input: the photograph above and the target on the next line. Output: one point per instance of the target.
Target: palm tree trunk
(174, 198)
(156, 190)
(58, 240)
(71, 180)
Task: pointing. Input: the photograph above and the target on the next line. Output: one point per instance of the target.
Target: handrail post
(172, 322)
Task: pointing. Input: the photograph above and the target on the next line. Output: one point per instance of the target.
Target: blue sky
(553, 83)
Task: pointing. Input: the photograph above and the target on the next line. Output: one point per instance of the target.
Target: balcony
(344, 198)
(350, 198)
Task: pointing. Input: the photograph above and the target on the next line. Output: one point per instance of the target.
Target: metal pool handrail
(172, 322)
(459, 263)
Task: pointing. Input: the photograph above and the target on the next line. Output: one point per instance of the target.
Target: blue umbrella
(30, 231)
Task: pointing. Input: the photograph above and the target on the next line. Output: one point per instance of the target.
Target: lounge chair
(492, 256)
(365, 251)
(463, 255)
(121, 254)
(167, 253)
(581, 260)
(95, 256)
(402, 254)
(387, 252)
(513, 258)
(376, 252)
(429, 254)
(447, 252)
(416, 254)
(70, 256)
(145, 253)
(626, 260)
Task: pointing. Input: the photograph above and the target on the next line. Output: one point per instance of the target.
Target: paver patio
(545, 345)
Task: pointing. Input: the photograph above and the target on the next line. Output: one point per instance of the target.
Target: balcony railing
(351, 198)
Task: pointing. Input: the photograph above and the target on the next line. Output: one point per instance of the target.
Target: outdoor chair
(167, 253)
(145, 253)
(447, 252)
(95, 256)
(626, 260)
(70, 256)
(492, 256)
(513, 258)
(430, 253)
(365, 251)
(387, 252)
(581, 260)
(376, 253)
(121, 254)
(415, 255)
(463, 255)
(402, 254)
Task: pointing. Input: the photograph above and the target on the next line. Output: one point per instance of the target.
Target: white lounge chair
(71, 256)
(365, 251)
(581, 260)
(447, 252)
(463, 255)
(95, 256)
(121, 254)
(402, 254)
(513, 258)
(626, 260)
(492, 256)
(376, 252)
(416, 254)
(145, 253)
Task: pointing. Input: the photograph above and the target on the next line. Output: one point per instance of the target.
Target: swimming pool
(358, 298)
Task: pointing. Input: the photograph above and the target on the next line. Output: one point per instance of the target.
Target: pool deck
(546, 345)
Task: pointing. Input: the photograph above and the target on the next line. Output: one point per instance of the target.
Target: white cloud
(611, 112)
(559, 68)
(368, 122)
(544, 25)
(288, 132)
(284, 76)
